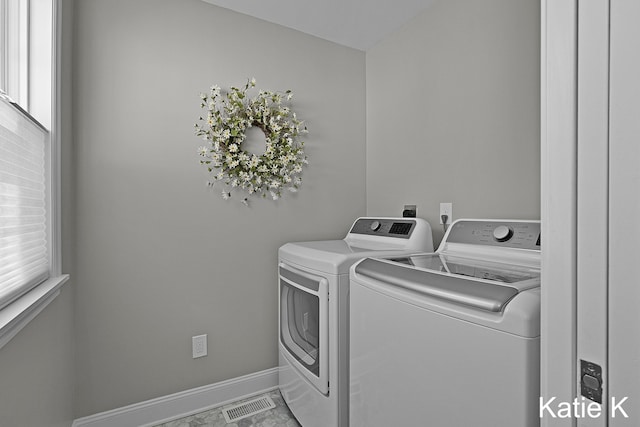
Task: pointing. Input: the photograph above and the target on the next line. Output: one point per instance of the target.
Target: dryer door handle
(304, 281)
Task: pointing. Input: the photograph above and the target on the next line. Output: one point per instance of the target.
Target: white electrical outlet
(199, 346)
(446, 209)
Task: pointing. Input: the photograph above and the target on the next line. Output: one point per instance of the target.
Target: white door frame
(624, 212)
(558, 202)
(590, 203)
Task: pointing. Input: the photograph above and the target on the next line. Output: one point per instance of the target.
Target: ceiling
(359, 24)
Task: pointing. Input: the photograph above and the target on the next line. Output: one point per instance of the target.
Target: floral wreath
(228, 118)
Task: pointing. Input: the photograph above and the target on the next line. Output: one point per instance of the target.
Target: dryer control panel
(384, 227)
(508, 234)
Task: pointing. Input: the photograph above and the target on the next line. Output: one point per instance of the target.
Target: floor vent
(247, 409)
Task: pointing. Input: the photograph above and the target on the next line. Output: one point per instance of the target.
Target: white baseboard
(167, 408)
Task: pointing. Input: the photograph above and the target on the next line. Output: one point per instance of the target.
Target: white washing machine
(453, 338)
(314, 313)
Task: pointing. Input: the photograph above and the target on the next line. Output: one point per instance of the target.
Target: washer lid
(491, 291)
(471, 267)
(335, 256)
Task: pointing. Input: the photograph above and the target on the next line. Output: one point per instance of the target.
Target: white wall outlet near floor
(199, 346)
(446, 209)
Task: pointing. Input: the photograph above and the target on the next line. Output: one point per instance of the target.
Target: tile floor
(280, 416)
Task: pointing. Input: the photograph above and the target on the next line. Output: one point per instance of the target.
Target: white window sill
(19, 313)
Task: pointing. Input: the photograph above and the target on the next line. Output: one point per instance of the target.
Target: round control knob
(502, 233)
(375, 225)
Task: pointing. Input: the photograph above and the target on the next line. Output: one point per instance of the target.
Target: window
(14, 39)
(29, 223)
(23, 219)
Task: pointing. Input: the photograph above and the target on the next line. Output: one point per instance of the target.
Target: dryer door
(304, 324)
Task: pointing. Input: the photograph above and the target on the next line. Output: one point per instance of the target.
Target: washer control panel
(384, 227)
(510, 234)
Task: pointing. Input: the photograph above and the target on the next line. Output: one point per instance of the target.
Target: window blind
(24, 259)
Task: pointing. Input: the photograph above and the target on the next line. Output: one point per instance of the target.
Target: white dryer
(314, 312)
(453, 338)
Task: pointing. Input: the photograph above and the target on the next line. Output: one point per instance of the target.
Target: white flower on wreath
(227, 117)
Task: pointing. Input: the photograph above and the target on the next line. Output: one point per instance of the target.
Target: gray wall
(453, 113)
(37, 368)
(160, 257)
